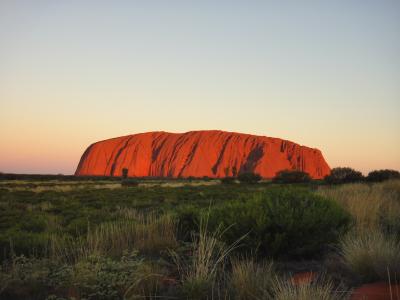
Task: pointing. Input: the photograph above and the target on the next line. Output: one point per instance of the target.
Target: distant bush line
(338, 175)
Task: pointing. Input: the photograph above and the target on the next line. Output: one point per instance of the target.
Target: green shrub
(188, 221)
(292, 176)
(281, 222)
(23, 242)
(249, 178)
(129, 182)
(382, 175)
(228, 180)
(100, 277)
(343, 175)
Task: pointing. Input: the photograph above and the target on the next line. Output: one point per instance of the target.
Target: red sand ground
(303, 278)
(212, 153)
(376, 291)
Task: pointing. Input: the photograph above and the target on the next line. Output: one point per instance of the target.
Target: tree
(382, 175)
(292, 176)
(124, 173)
(250, 178)
(343, 175)
(228, 180)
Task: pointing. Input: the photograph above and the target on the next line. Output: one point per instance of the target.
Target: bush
(344, 175)
(371, 255)
(124, 173)
(292, 176)
(281, 222)
(129, 182)
(228, 180)
(188, 221)
(249, 178)
(382, 175)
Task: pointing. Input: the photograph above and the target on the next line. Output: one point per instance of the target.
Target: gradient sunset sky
(325, 74)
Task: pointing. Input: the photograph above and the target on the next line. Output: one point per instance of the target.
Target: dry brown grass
(251, 280)
(321, 289)
(368, 204)
(372, 255)
(149, 234)
(58, 186)
(199, 274)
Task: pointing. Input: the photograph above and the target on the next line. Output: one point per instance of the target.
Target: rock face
(199, 153)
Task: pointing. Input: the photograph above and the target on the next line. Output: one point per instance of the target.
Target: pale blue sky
(321, 73)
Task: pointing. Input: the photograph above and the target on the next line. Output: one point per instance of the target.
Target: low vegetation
(372, 255)
(382, 175)
(249, 178)
(252, 280)
(344, 175)
(323, 289)
(292, 176)
(196, 239)
(277, 222)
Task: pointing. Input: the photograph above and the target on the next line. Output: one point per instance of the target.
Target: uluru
(210, 153)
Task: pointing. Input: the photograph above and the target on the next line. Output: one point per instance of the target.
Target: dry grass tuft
(251, 280)
(368, 204)
(371, 255)
(149, 234)
(321, 289)
(199, 273)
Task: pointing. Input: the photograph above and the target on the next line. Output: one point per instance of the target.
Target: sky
(325, 74)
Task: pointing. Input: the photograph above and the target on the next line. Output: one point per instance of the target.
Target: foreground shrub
(249, 178)
(382, 175)
(322, 289)
(200, 272)
(292, 176)
(343, 175)
(371, 255)
(281, 222)
(251, 280)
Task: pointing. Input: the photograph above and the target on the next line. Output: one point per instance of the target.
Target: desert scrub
(321, 289)
(291, 222)
(371, 255)
(292, 176)
(343, 175)
(200, 271)
(32, 278)
(94, 277)
(152, 282)
(371, 206)
(252, 280)
(99, 277)
(149, 234)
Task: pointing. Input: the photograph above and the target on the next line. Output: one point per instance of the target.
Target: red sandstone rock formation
(199, 153)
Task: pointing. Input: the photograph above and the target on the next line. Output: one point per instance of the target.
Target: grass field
(194, 239)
